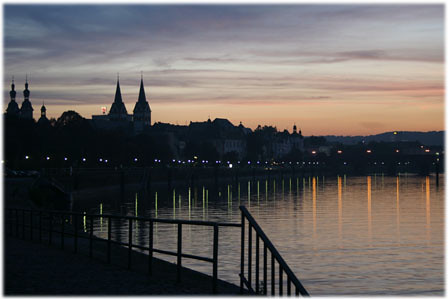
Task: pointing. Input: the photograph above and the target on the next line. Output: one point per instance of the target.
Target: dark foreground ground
(32, 268)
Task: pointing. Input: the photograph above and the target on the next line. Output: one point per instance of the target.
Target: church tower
(13, 107)
(26, 111)
(43, 120)
(118, 110)
(142, 111)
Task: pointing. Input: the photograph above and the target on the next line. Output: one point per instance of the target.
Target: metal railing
(261, 286)
(67, 224)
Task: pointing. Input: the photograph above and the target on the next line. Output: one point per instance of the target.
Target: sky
(330, 69)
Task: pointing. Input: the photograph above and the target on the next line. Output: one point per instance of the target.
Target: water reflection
(340, 211)
(369, 208)
(428, 211)
(404, 255)
(398, 209)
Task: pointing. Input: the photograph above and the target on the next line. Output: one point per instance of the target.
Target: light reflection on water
(341, 235)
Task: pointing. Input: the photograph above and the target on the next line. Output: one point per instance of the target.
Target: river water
(373, 235)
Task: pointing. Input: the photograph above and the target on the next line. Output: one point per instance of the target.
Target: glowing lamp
(339, 152)
(369, 151)
(26, 157)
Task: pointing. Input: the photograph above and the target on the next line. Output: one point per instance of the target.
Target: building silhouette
(118, 116)
(13, 107)
(26, 111)
(43, 120)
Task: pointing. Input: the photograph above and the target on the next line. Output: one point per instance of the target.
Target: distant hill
(426, 138)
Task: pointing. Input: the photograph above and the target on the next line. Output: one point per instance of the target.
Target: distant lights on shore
(369, 151)
(426, 150)
(339, 152)
(313, 152)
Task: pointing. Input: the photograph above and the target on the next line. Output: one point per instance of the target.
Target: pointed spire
(141, 94)
(118, 98)
(26, 92)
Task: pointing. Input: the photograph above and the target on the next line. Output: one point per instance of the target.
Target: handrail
(275, 255)
(50, 215)
(138, 218)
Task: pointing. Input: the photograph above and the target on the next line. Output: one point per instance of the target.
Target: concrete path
(33, 268)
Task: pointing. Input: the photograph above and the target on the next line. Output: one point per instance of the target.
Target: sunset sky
(331, 69)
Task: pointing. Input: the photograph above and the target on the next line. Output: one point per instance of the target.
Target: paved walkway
(32, 268)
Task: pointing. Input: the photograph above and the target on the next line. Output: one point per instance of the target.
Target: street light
(369, 151)
(27, 157)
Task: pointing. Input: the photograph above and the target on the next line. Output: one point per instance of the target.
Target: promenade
(33, 268)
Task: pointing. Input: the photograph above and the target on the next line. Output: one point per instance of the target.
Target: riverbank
(32, 268)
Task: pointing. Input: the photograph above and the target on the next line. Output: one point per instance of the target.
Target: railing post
(31, 225)
(265, 268)
(91, 237)
(150, 253)
(179, 250)
(288, 286)
(280, 280)
(50, 233)
(249, 254)
(257, 263)
(130, 243)
(62, 230)
(215, 258)
(272, 275)
(242, 254)
(75, 224)
(109, 237)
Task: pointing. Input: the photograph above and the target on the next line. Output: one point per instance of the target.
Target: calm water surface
(340, 235)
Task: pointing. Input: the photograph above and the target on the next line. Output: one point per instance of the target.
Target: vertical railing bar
(272, 274)
(215, 258)
(257, 263)
(151, 234)
(109, 237)
(242, 254)
(280, 280)
(179, 251)
(75, 230)
(91, 237)
(288, 286)
(249, 254)
(265, 268)
(130, 243)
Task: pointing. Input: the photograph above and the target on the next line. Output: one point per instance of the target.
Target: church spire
(12, 93)
(26, 92)
(141, 94)
(118, 98)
